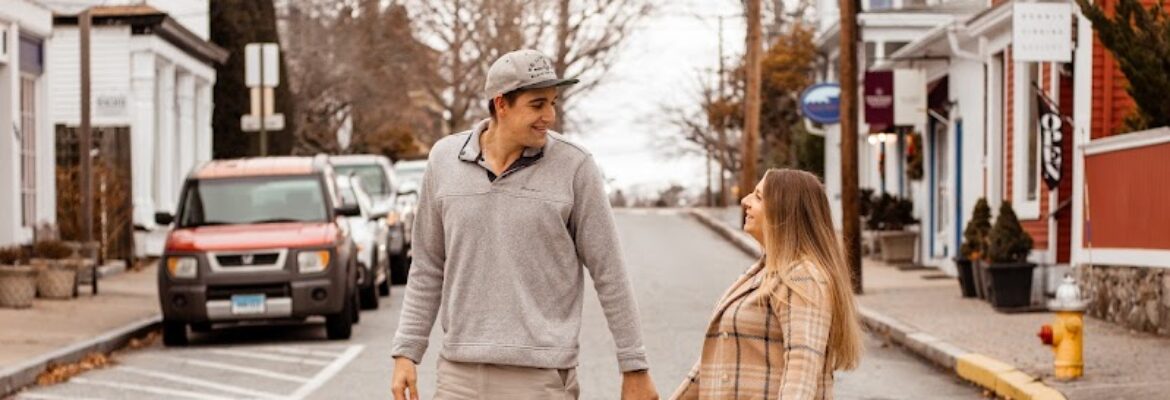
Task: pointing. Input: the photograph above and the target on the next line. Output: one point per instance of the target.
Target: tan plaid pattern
(756, 350)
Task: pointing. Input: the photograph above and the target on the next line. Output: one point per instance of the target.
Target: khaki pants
(469, 381)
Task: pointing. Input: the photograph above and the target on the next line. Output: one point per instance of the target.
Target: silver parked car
(410, 174)
(369, 235)
(379, 180)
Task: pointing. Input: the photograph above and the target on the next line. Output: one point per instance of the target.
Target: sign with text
(821, 103)
(1042, 32)
(879, 98)
(261, 65)
(909, 97)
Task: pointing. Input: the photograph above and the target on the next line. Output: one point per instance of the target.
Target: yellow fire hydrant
(1065, 335)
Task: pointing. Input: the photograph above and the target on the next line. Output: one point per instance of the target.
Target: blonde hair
(799, 228)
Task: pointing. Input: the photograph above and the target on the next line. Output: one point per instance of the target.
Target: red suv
(258, 239)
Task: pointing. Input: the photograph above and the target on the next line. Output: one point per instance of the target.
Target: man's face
(527, 121)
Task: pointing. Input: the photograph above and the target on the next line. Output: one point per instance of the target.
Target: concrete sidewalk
(54, 332)
(922, 311)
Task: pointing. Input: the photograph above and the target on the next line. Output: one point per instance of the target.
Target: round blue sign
(821, 103)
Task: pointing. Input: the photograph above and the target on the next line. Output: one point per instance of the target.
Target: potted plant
(1008, 247)
(890, 216)
(18, 282)
(973, 249)
(56, 276)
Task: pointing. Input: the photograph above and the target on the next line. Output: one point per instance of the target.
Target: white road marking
(270, 357)
(246, 370)
(200, 382)
(328, 372)
(44, 396)
(148, 389)
(303, 352)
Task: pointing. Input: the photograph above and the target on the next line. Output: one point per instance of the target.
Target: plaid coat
(755, 350)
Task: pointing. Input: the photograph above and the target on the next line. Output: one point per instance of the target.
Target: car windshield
(410, 171)
(371, 175)
(253, 201)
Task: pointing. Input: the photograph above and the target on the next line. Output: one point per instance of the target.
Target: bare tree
(588, 35)
(581, 36)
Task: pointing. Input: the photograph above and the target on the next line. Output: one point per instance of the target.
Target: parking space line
(270, 357)
(148, 389)
(302, 352)
(328, 372)
(246, 370)
(44, 396)
(200, 382)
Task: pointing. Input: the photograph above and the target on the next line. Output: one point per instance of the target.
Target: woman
(790, 321)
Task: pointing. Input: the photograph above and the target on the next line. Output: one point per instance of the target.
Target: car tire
(201, 327)
(340, 326)
(369, 299)
(174, 333)
(399, 269)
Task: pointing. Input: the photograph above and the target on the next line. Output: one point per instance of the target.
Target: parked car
(258, 239)
(410, 174)
(378, 178)
(369, 235)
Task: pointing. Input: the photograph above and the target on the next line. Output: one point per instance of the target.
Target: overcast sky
(658, 65)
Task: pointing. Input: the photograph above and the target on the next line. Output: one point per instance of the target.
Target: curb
(17, 377)
(996, 376)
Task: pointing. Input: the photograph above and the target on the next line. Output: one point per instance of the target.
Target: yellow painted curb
(981, 369)
(1003, 379)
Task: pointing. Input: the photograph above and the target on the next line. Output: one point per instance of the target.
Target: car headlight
(313, 261)
(183, 267)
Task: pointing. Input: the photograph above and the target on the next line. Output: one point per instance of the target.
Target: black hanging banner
(1051, 138)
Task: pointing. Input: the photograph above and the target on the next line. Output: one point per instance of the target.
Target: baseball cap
(521, 69)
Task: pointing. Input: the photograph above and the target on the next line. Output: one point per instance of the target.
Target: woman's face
(753, 209)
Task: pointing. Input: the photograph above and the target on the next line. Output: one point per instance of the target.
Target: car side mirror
(349, 210)
(377, 216)
(407, 192)
(163, 218)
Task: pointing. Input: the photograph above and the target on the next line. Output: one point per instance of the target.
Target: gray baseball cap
(521, 69)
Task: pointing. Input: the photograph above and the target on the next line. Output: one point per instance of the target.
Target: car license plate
(248, 304)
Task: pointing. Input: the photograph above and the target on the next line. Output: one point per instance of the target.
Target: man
(508, 213)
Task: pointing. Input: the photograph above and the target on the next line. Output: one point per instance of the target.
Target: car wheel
(340, 326)
(369, 300)
(399, 269)
(201, 327)
(174, 333)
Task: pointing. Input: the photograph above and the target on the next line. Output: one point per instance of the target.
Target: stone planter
(897, 246)
(18, 286)
(1011, 284)
(58, 279)
(966, 277)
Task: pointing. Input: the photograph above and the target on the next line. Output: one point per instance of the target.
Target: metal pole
(85, 143)
(850, 193)
(263, 110)
(751, 132)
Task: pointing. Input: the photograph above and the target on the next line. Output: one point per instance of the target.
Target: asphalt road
(678, 268)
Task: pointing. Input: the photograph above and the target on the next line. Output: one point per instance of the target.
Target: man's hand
(637, 385)
(405, 379)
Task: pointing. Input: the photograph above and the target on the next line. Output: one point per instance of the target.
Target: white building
(27, 183)
(152, 74)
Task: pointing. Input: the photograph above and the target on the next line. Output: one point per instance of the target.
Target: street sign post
(261, 75)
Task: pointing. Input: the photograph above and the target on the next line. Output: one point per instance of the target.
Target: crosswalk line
(148, 389)
(242, 369)
(200, 382)
(269, 357)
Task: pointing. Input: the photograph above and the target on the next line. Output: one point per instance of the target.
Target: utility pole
(721, 128)
(751, 131)
(850, 194)
(85, 145)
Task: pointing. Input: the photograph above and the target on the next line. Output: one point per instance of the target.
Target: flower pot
(1011, 284)
(57, 280)
(966, 277)
(18, 286)
(897, 246)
